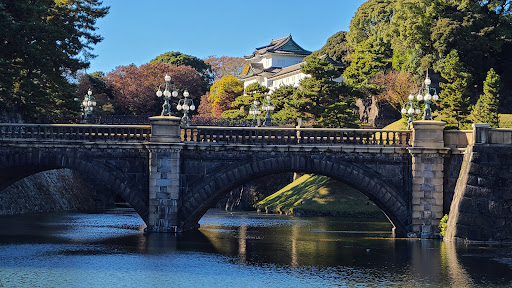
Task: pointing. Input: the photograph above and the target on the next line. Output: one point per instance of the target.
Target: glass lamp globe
(89, 92)
(185, 107)
(411, 97)
(404, 111)
(428, 97)
(159, 93)
(417, 111)
(435, 97)
(179, 107)
(428, 81)
(410, 111)
(167, 93)
(167, 78)
(192, 107)
(185, 94)
(174, 93)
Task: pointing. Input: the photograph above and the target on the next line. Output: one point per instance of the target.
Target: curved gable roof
(284, 45)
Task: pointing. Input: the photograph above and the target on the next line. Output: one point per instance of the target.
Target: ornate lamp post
(88, 106)
(186, 104)
(410, 108)
(427, 112)
(255, 110)
(166, 107)
(267, 106)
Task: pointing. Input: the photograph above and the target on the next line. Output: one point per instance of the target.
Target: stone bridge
(171, 175)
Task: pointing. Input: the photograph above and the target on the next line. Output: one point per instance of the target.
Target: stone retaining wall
(54, 190)
(482, 205)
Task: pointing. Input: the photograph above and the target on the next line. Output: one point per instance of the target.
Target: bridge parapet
(296, 136)
(75, 132)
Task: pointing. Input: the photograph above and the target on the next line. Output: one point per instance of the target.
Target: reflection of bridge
(171, 176)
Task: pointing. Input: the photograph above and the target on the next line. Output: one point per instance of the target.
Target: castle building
(278, 64)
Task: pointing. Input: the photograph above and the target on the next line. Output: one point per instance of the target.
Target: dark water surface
(235, 250)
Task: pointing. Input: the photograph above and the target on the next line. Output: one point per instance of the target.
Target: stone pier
(427, 153)
(164, 175)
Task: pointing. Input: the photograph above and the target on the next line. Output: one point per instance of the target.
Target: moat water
(235, 250)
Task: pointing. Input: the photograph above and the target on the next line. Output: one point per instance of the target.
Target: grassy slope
(400, 124)
(505, 122)
(313, 194)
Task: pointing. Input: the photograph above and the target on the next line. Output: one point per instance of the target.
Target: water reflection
(450, 262)
(233, 248)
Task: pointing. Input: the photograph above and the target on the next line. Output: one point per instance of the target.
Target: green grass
(505, 120)
(319, 195)
(400, 124)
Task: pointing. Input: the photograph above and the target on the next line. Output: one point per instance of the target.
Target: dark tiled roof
(284, 45)
(256, 69)
(287, 70)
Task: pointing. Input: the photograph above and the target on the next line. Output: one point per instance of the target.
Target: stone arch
(205, 193)
(18, 165)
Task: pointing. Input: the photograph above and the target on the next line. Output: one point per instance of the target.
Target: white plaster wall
(285, 61)
(292, 80)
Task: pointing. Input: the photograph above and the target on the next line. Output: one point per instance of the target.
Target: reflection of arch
(16, 166)
(205, 193)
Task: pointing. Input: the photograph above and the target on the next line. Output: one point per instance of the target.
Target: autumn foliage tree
(224, 66)
(223, 92)
(134, 87)
(394, 87)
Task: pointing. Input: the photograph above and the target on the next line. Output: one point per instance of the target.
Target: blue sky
(138, 31)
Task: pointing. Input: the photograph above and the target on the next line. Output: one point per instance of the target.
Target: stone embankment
(54, 190)
(481, 209)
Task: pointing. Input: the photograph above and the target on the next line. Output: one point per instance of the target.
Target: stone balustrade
(294, 136)
(456, 139)
(75, 132)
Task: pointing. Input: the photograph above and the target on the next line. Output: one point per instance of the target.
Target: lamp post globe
(255, 111)
(411, 107)
(427, 111)
(88, 106)
(267, 106)
(186, 104)
(166, 107)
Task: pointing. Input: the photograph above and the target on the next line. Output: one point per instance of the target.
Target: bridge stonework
(428, 153)
(172, 175)
(119, 167)
(210, 171)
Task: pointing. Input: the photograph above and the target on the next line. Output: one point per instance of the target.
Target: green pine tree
(486, 109)
(454, 97)
(330, 103)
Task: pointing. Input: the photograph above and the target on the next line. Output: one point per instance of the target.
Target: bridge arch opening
(108, 178)
(203, 195)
